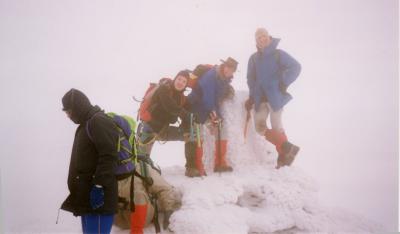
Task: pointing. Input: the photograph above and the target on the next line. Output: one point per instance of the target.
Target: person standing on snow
(270, 72)
(205, 102)
(91, 179)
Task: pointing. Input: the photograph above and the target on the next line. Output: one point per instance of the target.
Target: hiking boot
(290, 151)
(192, 172)
(280, 161)
(224, 168)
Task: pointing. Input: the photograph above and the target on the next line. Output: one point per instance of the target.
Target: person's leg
(144, 211)
(95, 223)
(84, 224)
(145, 139)
(106, 222)
(275, 135)
(221, 147)
(171, 133)
(260, 118)
(260, 121)
(276, 119)
(287, 151)
(194, 152)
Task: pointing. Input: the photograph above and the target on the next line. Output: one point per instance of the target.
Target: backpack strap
(155, 218)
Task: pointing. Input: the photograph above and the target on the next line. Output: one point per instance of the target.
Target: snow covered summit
(255, 198)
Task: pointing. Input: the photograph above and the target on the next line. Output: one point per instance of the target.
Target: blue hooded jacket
(207, 94)
(267, 71)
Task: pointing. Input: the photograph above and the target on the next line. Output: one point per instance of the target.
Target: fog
(344, 114)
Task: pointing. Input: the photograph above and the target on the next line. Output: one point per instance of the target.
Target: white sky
(344, 114)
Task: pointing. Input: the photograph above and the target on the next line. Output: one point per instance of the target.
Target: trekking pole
(198, 135)
(219, 153)
(246, 125)
(191, 128)
(199, 152)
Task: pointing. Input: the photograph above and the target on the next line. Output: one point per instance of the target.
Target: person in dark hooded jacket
(91, 179)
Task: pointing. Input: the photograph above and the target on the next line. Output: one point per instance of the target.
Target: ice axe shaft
(219, 153)
(246, 125)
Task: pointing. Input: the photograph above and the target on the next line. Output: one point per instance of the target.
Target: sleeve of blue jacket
(207, 84)
(251, 75)
(291, 67)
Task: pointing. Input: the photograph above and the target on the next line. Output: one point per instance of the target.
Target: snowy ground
(255, 198)
(344, 115)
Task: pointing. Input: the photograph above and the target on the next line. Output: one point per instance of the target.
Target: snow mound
(255, 197)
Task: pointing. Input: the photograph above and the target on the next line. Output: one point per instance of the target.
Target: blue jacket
(208, 94)
(267, 71)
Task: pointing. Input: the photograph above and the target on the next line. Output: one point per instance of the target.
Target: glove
(96, 197)
(184, 114)
(249, 104)
(282, 87)
(196, 119)
(213, 117)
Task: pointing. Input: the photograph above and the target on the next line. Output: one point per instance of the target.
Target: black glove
(184, 114)
(96, 197)
(282, 87)
(249, 104)
(196, 119)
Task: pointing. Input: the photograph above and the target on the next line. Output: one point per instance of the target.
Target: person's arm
(169, 103)
(208, 86)
(290, 68)
(105, 137)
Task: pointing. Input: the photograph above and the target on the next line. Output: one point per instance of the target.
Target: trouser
(194, 145)
(261, 116)
(194, 148)
(146, 137)
(94, 223)
(276, 135)
(168, 199)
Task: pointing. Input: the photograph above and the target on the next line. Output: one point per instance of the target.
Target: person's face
(228, 72)
(180, 83)
(263, 41)
(68, 113)
(70, 116)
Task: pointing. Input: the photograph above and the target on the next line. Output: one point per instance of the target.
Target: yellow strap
(198, 135)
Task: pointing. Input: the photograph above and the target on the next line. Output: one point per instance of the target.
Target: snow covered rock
(255, 197)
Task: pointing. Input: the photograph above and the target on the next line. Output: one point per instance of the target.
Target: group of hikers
(112, 178)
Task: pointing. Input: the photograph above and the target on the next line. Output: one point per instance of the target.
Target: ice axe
(219, 153)
(246, 125)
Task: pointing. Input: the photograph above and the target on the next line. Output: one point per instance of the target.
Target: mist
(344, 114)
